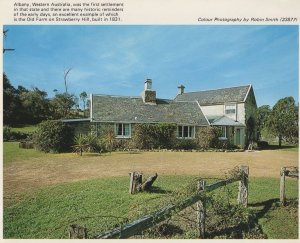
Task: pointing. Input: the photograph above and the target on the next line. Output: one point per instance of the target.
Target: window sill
(123, 137)
(185, 138)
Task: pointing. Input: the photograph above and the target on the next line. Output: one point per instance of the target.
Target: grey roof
(217, 96)
(77, 120)
(107, 108)
(223, 121)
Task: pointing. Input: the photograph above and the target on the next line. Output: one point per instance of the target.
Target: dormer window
(230, 109)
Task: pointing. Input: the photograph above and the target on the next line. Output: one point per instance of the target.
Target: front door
(238, 136)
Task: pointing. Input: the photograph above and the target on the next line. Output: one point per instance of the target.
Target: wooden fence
(289, 172)
(137, 226)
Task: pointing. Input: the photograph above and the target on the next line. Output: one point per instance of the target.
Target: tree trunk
(280, 140)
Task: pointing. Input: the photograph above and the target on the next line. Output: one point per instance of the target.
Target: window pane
(185, 131)
(191, 133)
(119, 129)
(180, 131)
(126, 129)
(229, 109)
(223, 132)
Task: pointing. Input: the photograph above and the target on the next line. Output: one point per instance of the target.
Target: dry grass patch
(24, 175)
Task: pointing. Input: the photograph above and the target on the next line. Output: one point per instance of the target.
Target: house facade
(232, 109)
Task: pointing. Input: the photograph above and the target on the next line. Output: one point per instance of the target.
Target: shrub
(53, 136)
(80, 144)
(6, 133)
(186, 144)
(150, 136)
(225, 144)
(92, 144)
(208, 137)
(108, 138)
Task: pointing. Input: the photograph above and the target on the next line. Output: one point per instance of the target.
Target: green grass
(277, 222)
(284, 147)
(99, 204)
(12, 153)
(24, 129)
(102, 204)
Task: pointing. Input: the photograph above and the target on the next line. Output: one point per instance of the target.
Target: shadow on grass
(283, 147)
(266, 207)
(156, 189)
(239, 231)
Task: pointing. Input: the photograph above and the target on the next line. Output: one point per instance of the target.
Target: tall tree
(283, 120)
(88, 104)
(11, 103)
(36, 105)
(262, 115)
(83, 97)
(66, 72)
(62, 105)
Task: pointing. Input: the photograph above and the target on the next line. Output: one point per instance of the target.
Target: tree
(66, 72)
(88, 104)
(11, 103)
(62, 105)
(262, 115)
(283, 120)
(35, 104)
(83, 97)
(250, 126)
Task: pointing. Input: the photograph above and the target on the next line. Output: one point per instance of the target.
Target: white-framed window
(123, 130)
(186, 132)
(230, 108)
(223, 133)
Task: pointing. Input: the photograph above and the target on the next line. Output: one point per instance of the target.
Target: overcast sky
(117, 59)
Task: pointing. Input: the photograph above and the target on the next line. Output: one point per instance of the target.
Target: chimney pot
(180, 89)
(148, 84)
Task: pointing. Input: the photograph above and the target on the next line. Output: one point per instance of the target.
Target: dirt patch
(22, 176)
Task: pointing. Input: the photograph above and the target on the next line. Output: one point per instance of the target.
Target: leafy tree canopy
(262, 115)
(283, 120)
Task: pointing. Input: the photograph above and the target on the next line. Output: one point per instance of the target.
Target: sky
(117, 59)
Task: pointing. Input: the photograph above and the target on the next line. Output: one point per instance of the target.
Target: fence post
(201, 211)
(282, 186)
(77, 232)
(243, 186)
(135, 181)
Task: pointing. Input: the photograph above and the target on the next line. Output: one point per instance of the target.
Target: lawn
(44, 193)
(102, 204)
(12, 153)
(24, 129)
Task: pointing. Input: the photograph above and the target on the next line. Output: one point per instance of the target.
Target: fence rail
(150, 220)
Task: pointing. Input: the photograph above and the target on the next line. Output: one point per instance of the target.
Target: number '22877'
(288, 19)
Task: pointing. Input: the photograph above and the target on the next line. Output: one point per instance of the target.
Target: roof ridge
(185, 101)
(118, 96)
(217, 89)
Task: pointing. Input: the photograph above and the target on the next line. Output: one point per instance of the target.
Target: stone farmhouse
(232, 109)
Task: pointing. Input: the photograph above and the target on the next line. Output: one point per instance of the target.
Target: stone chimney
(148, 95)
(180, 89)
